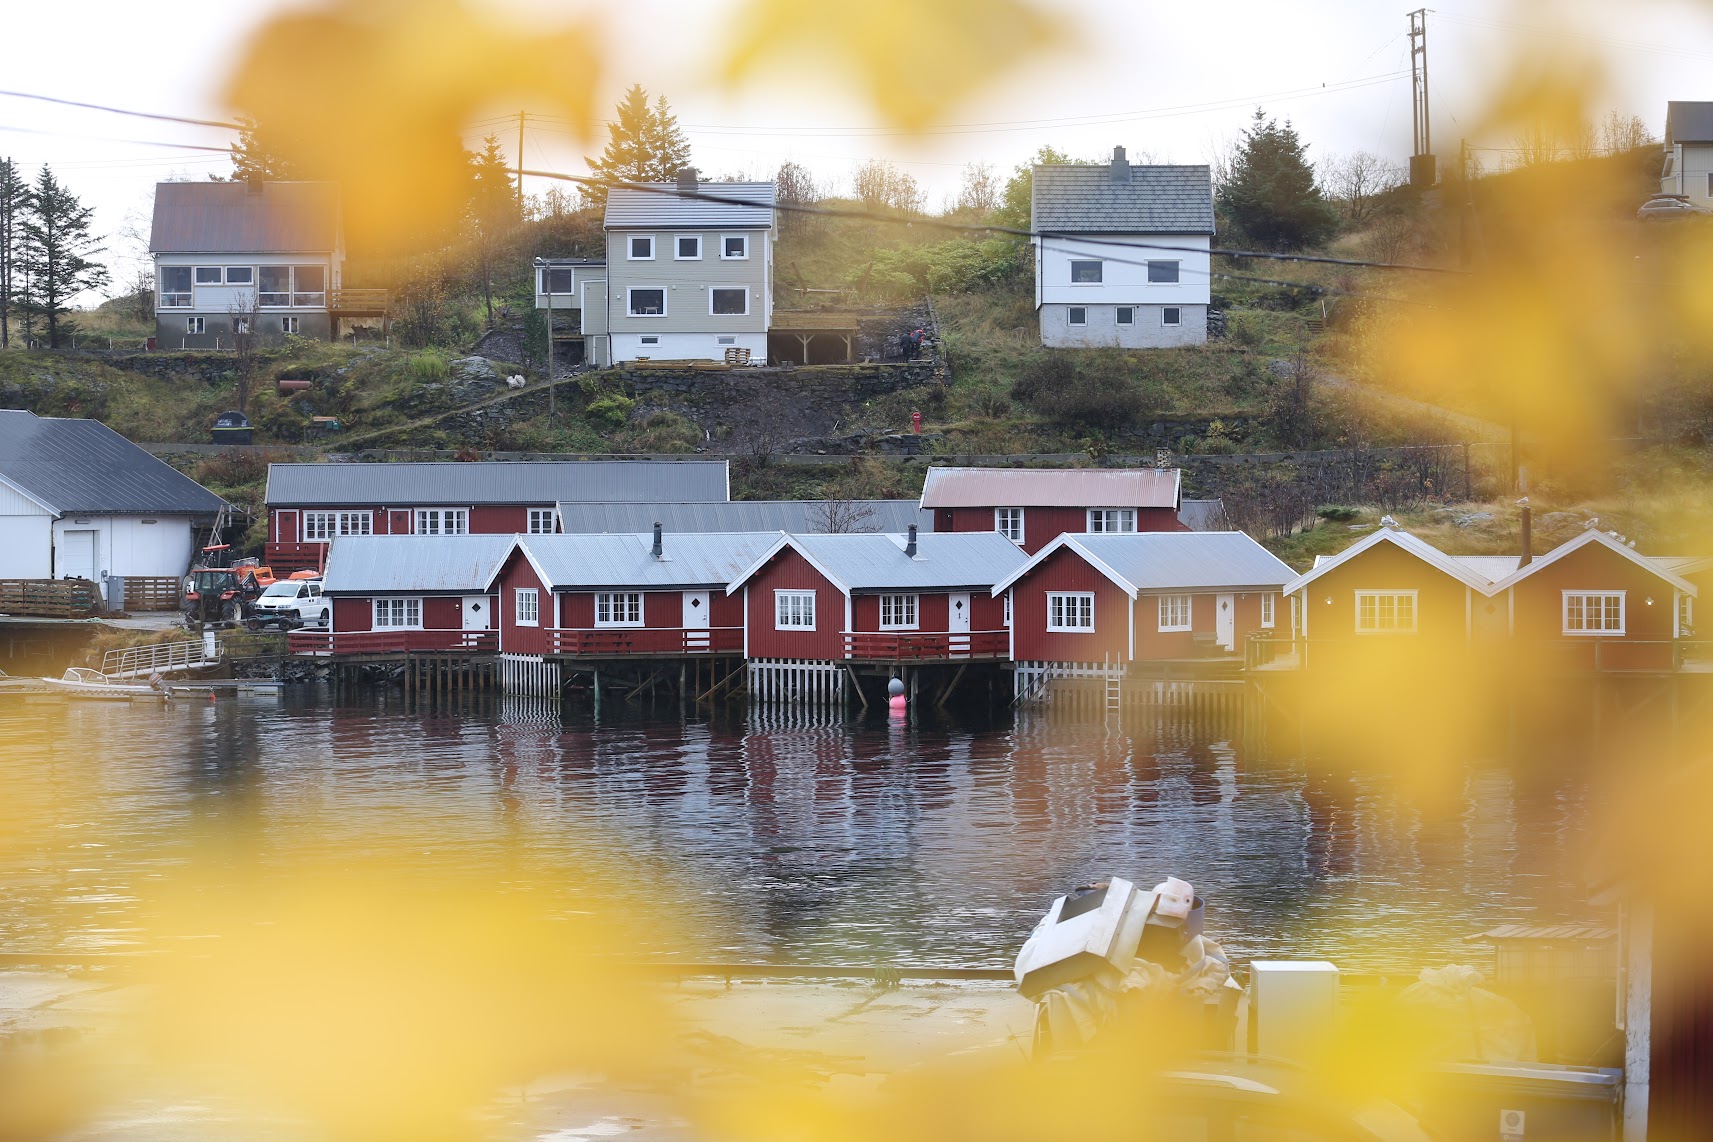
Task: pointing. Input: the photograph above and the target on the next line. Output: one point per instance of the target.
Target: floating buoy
(896, 702)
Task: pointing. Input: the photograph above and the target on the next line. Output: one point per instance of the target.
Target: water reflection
(803, 837)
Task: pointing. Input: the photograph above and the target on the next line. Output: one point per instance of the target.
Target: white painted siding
(26, 550)
(125, 545)
(1691, 164)
(221, 298)
(1124, 276)
(687, 346)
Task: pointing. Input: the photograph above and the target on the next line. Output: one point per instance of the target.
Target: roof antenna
(658, 552)
(910, 544)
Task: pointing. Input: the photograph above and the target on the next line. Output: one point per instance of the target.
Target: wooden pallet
(50, 598)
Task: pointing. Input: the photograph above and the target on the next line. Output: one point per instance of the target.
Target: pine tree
(644, 145)
(14, 194)
(1271, 195)
(494, 212)
(55, 251)
(257, 154)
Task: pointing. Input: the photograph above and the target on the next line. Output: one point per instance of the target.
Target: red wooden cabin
(1146, 597)
(1033, 506)
(878, 598)
(309, 505)
(394, 594)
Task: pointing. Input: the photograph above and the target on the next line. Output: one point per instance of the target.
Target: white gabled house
(1122, 254)
(1688, 166)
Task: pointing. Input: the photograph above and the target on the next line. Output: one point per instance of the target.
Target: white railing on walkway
(161, 658)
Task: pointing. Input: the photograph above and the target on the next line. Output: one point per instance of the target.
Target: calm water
(796, 839)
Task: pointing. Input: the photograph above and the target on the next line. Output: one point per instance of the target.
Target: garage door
(77, 555)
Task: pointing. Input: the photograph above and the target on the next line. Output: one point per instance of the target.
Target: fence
(647, 640)
(930, 646)
(151, 593)
(50, 598)
(160, 658)
(793, 680)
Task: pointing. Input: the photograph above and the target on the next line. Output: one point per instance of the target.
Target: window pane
(1171, 315)
(736, 247)
(208, 275)
(1085, 271)
(1162, 271)
(1079, 315)
(275, 287)
(561, 281)
(647, 301)
(1126, 315)
(731, 301)
(642, 247)
(240, 275)
(175, 278)
(689, 247)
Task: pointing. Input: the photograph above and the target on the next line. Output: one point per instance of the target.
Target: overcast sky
(1170, 81)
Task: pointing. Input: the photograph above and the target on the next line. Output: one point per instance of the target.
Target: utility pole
(1422, 172)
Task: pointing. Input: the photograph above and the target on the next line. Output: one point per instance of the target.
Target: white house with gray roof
(1122, 254)
(231, 252)
(1688, 151)
(685, 279)
(78, 500)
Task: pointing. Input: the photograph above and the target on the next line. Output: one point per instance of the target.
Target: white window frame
(218, 272)
(1582, 597)
(712, 290)
(900, 612)
(1166, 312)
(195, 325)
(1269, 609)
(291, 325)
(443, 519)
(678, 254)
(1125, 315)
(1099, 271)
(1176, 612)
(1415, 612)
(649, 339)
(793, 610)
(618, 609)
(249, 277)
(273, 298)
(1071, 316)
(323, 526)
(543, 521)
(1177, 266)
(630, 247)
(240, 325)
(725, 238)
(1009, 523)
(1685, 613)
(408, 608)
(176, 298)
(1069, 605)
(630, 302)
(1008, 610)
(526, 606)
(1106, 518)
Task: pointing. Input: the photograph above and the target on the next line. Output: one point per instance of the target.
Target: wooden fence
(50, 598)
(151, 593)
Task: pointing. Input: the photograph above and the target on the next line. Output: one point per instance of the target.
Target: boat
(81, 682)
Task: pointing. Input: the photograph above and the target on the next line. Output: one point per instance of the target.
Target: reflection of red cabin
(309, 505)
(1147, 597)
(879, 598)
(1033, 506)
(396, 593)
(611, 596)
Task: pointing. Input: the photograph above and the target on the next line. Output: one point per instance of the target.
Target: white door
(1225, 622)
(476, 609)
(77, 555)
(697, 620)
(958, 623)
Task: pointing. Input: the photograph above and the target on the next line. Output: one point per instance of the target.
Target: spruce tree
(55, 252)
(1270, 194)
(257, 154)
(14, 195)
(644, 145)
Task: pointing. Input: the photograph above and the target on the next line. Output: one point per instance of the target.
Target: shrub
(1100, 389)
(428, 367)
(1244, 329)
(612, 410)
(1337, 513)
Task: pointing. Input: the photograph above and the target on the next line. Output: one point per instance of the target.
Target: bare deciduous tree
(841, 517)
(979, 193)
(246, 315)
(1620, 134)
(1356, 182)
(880, 184)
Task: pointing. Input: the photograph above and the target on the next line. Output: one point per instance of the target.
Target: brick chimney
(1120, 166)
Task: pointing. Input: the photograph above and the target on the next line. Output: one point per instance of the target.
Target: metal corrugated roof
(632, 209)
(233, 218)
(1204, 515)
(943, 560)
(1172, 560)
(1421, 549)
(1578, 933)
(1050, 487)
(692, 559)
(416, 564)
(1688, 122)
(453, 484)
(1490, 567)
(84, 466)
(1086, 199)
(806, 516)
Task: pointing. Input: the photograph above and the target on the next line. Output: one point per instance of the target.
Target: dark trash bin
(232, 428)
(1521, 1102)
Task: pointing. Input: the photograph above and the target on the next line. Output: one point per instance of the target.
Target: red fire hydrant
(916, 422)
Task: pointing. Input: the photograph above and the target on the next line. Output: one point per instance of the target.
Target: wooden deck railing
(645, 640)
(914, 646)
(50, 598)
(359, 301)
(1570, 654)
(323, 642)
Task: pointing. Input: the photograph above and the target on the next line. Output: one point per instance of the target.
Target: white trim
(630, 311)
(1022, 524)
(914, 608)
(1079, 628)
(630, 249)
(1165, 316)
(337, 520)
(626, 599)
(797, 594)
(1269, 610)
(1070, 315)
(519, 596)
(725, 257)
(1126, 521)
(1421, 549)
(712, 290)
(1177, 265)
(678, 254)
(783, 542)
(1600, 537)
(1099, 265)
(1415, 611)
(1130, 625)
(1586, 631)
(1171, 602)
(407, 603)
(443, 519)
(1118, 313)
(551, 520)
(1059, 543)
(35, 499)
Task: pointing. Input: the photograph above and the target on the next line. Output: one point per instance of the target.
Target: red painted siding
(663, 610)
(728, 609)
(790, 571)
(442, 612)
(577, 610)
(357, 612)
(1539, 612)
(1152, 643)
(353, 613)
(1043, 525)
(1441, 601)
(1066, 571)
(514, 639)
(499, 520)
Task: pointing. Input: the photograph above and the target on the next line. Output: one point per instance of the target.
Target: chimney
(687, 179)
(910, 544)
(1120, 166)
(659, 552)
(253, 184)
(1528, 554)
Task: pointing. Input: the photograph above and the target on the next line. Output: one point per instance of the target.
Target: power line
(110, 139)
(123, 111)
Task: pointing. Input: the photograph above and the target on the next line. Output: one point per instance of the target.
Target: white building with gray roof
(1122, 254)
(1688, 166)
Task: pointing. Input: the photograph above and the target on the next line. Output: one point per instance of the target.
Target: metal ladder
(1114, 688)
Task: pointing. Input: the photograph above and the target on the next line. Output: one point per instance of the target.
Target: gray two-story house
(685, 279)
(230, 254)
